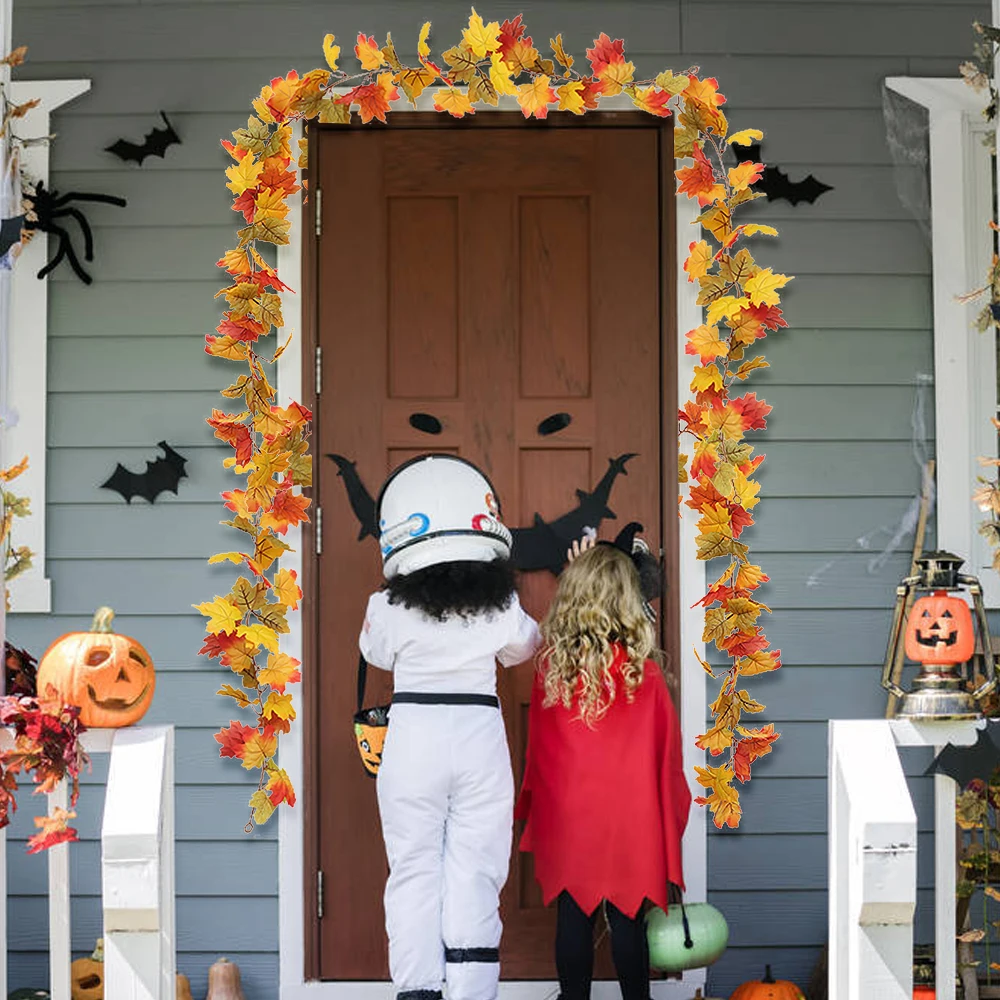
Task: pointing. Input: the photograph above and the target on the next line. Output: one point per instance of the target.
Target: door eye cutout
(425, 422)
(554, 423)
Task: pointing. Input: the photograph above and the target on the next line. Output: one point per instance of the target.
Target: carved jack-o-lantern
(939, 630)
(87, 975)
(109, 676)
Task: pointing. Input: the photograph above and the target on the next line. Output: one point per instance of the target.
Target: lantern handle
(894, 632)
(989, 657)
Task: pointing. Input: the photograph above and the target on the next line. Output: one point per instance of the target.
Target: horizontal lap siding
(126, 369)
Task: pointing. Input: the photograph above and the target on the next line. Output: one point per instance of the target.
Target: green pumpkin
(665, 934)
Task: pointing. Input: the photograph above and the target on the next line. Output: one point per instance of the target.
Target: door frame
(294, 380)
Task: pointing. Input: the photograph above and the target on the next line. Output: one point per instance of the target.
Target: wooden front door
(494, 292)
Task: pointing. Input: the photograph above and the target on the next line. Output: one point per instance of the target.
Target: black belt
(432, 698)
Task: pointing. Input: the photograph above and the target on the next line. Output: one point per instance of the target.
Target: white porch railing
(137, 870)
(873, 859)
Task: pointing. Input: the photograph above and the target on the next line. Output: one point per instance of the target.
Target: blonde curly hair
(598, 605)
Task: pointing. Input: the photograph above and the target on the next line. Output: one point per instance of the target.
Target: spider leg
(65, 250)
(88, 236)
(104, 199)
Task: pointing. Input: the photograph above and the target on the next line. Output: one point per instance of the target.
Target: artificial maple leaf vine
(491, 61)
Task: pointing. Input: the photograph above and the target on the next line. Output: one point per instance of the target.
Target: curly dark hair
(455, 588)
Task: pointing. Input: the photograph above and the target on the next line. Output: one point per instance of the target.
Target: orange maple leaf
(652, 101)
(703, 493)
(704, 341)
(234, 432)
(368, 52)
(755, 743)
(279, 788)
(697, 181)
(225, 347)
(52, 829)
(591, 93)
(277, 177)
(604, 53)
(535, 97)
(373, 99)
(511, 32)
(280, 95)
(745, 174)
(704, 91)
(456, 102)
(240, 327)
(287, 510)
(744, 643)
(233, 739)
(690, 414)
(723, 799)
(699, 260)
(752, 411)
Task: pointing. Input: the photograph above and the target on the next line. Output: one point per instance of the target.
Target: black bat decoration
(10, 233)
(161, 475)
(542, 546)
(966, 763)
(774, 182)
(154, 143)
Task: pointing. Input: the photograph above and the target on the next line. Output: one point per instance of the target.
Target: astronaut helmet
(437, 509)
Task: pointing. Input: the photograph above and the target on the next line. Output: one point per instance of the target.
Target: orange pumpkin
(939, 630)
(768, 988)
(109, 676)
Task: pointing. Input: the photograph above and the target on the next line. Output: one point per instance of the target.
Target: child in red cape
(604, 793)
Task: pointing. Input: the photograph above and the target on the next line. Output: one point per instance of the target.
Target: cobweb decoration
(907, 131)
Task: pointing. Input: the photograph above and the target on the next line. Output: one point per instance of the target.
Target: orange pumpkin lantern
(768, 988)
(109, 676)
(939, 630)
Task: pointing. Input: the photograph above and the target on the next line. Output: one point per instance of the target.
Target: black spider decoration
(49, 206)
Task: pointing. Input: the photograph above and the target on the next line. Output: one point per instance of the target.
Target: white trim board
(26, 391)
(291, 873)
(965, 373)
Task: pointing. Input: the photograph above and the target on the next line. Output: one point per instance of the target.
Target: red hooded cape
(606, 807)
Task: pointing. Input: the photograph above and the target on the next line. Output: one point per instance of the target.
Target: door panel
(493, 293)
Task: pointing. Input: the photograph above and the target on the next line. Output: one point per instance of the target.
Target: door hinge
(318, 208)
(318, 530)
(319, 895)
(318, 375)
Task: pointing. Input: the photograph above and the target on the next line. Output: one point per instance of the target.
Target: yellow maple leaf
(699, 260)
(750, 577)
(269, 547)
(286, 588)
(13, 471)
(259, 635)
(241, 698)
(705, 665)
(714, 545)
(423, 49)
(754, 228)
(725, 420)
(715, 517)
(262, 806)
(279, 705)
(564, 60)
(746, 491)
(481, 38)
(221, 557)
(414, 81)
(331, 52)
(717, 740)
(500, 74)
(760, 662)
(705, 342)
(672, 84)
(651, 100)
(746, 137)
(706, 377)
(258, 749)
(244, 175)
(456, 102)
(221, 614)
(535, 97)
(270, 205)
(235, 262)
(723, 800)
(521, 57)
(741, 614)
(616, 76)
(279, 670)
(569, 97)
(762, 288)
(725, 307)
(743, 175)
(747, 367)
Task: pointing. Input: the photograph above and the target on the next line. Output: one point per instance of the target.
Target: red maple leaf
(240, 327)
(233, 738)
(372, 100)
(752, 411)
(769, 316)
(745, 643)
(720, 593)
(750, 748)
(704, 465)
(690, 414)
(591, 92)
(604, 52)
(703, 493)
(739, 519)
(234, 433)
(697, 180)
(265, 277)
(287, 510)
(246, 203)
(511, 32)
(747, 468)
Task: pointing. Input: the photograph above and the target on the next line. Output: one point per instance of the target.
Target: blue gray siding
(126, 370)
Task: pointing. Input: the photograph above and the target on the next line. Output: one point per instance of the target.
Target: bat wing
(966, 763)
(776, 184)
(809, 190)
(123, 482)
(747, 154)
(162, 475)
(128, 151)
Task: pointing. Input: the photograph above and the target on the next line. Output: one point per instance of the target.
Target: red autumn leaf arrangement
(270, 443)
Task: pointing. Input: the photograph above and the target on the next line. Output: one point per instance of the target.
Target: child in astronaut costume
(448, 612)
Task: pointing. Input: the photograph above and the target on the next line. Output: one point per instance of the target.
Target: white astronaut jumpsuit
(445, 793)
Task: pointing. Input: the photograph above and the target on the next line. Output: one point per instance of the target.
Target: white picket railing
(137, 870)
(873, 859)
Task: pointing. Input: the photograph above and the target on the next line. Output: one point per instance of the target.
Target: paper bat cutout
(154, 143)
(161, 475)
(10, 233)
(966, 763)
(774, 181)
(542, 546)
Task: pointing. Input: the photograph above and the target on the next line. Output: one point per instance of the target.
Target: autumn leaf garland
(270, 443)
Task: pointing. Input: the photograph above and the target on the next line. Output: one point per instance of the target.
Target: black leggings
(575, 950)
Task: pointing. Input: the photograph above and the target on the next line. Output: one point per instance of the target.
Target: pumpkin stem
(768, 978)
(102, 620)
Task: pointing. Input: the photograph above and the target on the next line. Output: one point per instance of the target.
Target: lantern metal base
(938, 696)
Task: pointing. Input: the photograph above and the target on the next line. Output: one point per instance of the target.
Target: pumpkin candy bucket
(769, 988)
(110, 677)
(689, 936)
